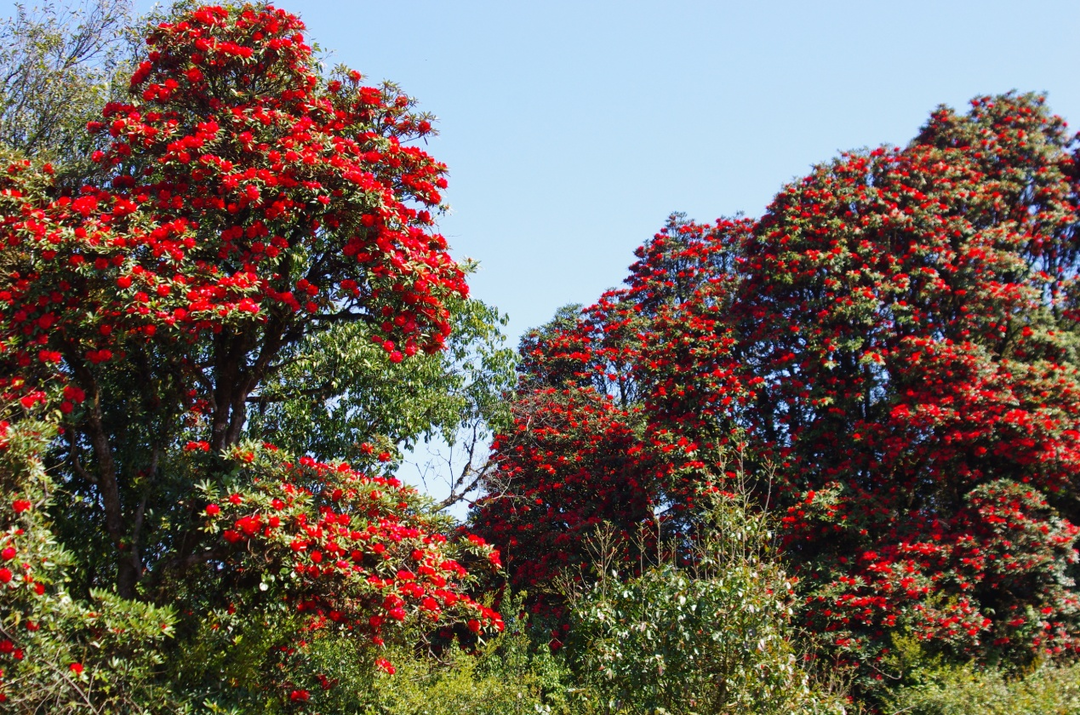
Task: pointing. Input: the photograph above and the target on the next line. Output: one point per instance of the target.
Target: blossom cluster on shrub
(335, 552)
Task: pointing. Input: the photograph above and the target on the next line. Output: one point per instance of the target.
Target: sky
(572, 129)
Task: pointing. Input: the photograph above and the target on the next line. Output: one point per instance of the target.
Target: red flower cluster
(362, 552)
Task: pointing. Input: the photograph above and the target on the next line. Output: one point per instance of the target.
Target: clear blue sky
(572, 129)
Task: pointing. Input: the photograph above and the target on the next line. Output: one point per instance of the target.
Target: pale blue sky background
(572, 129)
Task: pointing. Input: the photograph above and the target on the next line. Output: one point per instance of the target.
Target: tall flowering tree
(911, 313)
(611, 425)
(891, 349)
(244, 205)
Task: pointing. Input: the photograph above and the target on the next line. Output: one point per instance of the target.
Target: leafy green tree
(58, 65)
(352, 396)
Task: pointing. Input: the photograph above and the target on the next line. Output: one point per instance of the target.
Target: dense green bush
(930, 686)
(713, 639)
(492, 682)
(511, 674)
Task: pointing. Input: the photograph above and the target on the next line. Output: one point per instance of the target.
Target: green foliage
(58, 653)
(506, 675)
(57, 66)
(509, 675)
(932, 686)
(337, 390)
(715, 639)
(458, 683)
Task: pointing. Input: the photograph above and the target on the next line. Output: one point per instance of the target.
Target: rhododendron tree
(251, 202)
(910, 314)
(890, 351)
(602, 432)
(246, 208)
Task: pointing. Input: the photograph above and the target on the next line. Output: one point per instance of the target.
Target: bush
(60, 652)
(715, 639)
(508, 675)
(935, 688)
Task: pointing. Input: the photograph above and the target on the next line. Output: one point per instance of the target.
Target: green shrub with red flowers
(310, 558)
(59, 653)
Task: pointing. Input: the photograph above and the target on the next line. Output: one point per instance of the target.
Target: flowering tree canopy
(244, 206)
(911, 313)
(890, 350)
(245, 202)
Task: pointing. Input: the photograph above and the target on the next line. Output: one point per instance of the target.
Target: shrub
(60, 653)
(509, 675)
(934, 687)
(716, 638)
